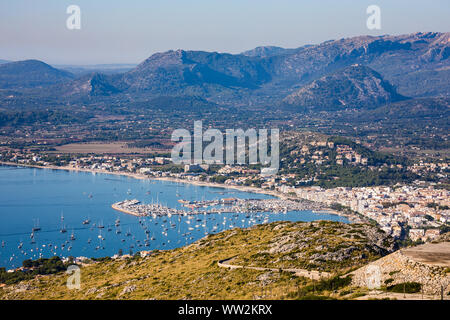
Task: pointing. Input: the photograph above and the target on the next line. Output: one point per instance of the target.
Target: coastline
(145, 177)
(177, 180)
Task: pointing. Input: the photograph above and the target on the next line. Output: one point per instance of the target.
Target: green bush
(36, 267)
(406, 287)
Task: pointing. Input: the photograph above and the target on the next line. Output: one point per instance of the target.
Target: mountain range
(357, 72)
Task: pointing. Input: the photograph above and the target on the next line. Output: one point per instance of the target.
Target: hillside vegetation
(192, 272)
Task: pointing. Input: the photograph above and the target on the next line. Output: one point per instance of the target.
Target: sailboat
(36, 226)
(72, 236)
(63, 228)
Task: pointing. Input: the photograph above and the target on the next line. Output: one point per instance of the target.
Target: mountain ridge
(417, 64)
(352, 87)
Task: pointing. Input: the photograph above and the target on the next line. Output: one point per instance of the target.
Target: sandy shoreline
(171, 179)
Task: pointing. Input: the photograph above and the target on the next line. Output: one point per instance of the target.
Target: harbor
(72, 216)
(138, 209)
(218, 206)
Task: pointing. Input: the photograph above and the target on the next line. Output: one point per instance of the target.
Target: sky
(129, 31)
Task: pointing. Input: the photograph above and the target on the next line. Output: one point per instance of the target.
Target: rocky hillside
(428, 265)
(91, 85)
(323, 246)
(180, 71)
(353, 87)
(192, 272)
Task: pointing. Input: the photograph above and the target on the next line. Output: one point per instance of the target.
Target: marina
(219, 206)
(73, 216)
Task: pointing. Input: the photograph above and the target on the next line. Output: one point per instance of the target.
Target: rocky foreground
(427, 264)
(266, 253)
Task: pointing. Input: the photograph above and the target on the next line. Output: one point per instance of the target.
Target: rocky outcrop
(399, 268)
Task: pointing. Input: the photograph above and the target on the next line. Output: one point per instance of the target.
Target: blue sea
(56, 199)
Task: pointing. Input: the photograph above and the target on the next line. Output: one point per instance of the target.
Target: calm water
(31, 197)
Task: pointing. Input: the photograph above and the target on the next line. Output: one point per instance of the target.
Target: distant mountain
(417, 64)
(194, 72)
(352, 87)
(89, 85)
(267, 51)
(29, 74)
(80, 70)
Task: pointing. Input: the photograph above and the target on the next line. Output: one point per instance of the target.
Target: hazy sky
(128, 31)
